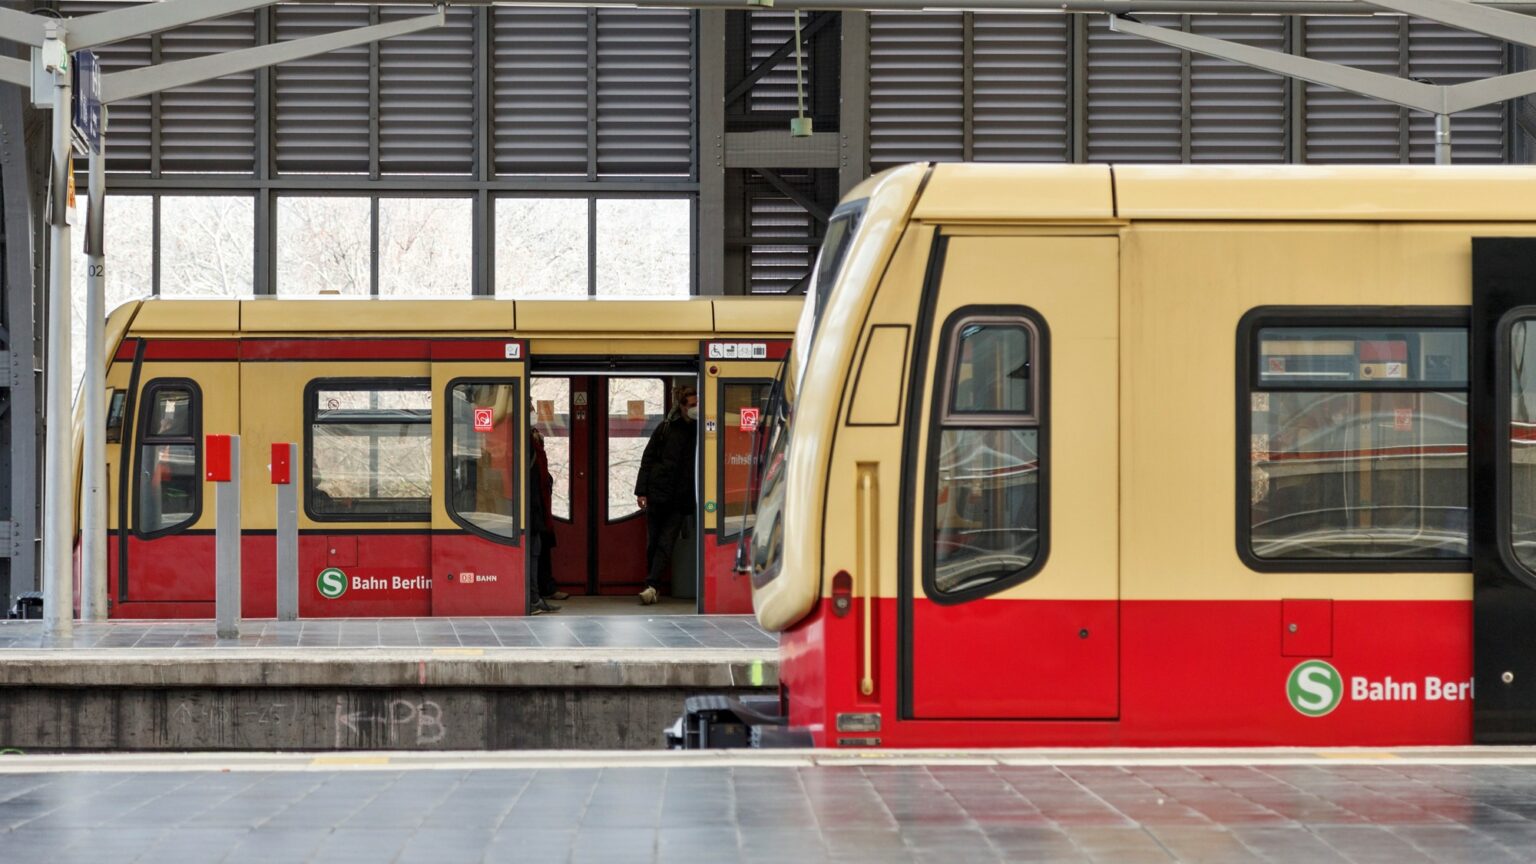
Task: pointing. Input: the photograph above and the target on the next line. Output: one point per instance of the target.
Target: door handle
(868, 564)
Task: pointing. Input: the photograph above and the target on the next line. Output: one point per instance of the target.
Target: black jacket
(666, 470)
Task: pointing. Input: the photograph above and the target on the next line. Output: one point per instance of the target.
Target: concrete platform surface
(542, 631)
(1082, 806)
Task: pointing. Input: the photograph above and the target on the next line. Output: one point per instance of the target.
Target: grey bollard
(284, 457)
(222, 467)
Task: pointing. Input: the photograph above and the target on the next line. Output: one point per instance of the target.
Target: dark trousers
(663, 525)
(542, 564)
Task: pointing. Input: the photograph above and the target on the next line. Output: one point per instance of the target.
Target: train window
(483, 456)
(169, 481)
(841, 229)
(987, 496)
(1522, 441)
(738, 433)
(552, 417)
(634, 412)
(1356, 440)
(369, 451)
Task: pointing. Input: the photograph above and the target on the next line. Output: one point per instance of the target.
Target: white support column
(226, 527)
(93, 389)
(58, 462)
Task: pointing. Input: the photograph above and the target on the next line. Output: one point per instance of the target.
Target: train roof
(1394, 193)
(698, 315)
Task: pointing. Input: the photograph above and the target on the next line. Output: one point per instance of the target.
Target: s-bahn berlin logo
(1315, 688)
(332, 583)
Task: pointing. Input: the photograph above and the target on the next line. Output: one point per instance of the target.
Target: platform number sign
(1315, 688)
(749, 419)
(332, 583)
(484, 420)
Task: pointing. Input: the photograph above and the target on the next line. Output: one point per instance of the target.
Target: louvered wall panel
(1135, 96)
(1342, 127)
(644, 92)
(128, 148)
(1445, 56)
(1237, 113)
(767, 32)
(209, 126)
(322, 103)
(775, 269)
(540, 90)
(427, 96)
(1020, 107)
(916, 87)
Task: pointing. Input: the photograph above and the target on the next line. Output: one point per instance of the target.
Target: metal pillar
(1442, 139)
(59, 512)
(93, 388)
(226, 592)
(284, 458)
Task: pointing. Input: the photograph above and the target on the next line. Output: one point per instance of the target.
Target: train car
(412, 420)
(1156, 456)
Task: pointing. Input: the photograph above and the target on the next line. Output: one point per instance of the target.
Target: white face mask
(693, 413)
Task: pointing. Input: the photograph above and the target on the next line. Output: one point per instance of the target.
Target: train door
(1502, 410)
(562, 413)
(1011, 586)
(740, 376)
(162, 543)
(633, 407)
(478, 478)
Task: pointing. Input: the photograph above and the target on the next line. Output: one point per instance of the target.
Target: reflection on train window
(738, 434)
(1522, 442)
(552, 417)
(1358, 444)
(370, 451)
(987, 490)
(634, 412)
(483, 454)
(169, 486)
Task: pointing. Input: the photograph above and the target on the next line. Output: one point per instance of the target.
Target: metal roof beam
(102, 28)
(24, 28)
(1463, 15)
(153, 79)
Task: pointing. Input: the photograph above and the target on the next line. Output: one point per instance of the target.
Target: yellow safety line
(349, 760)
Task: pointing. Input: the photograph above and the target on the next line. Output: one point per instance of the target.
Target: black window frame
(720, 531)
(521, 435)
(143, 438)
(311, 390)
(1247, 378)
(940, 417)
(1504, 514)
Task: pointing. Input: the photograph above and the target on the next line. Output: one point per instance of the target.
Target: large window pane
(426, 247)
(552, 417)
(634, 412)
(371, 453)
(541, 247)
(987, 506)
(322, 245)
(207, 245)
(643, 247)
(482, 475)
(129, 240)
(1359, 475)
(992, 370)
(168, 483)
(744, 405)
(1522, 442)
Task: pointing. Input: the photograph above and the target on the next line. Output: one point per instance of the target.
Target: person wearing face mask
(664, 486)
(541, 535)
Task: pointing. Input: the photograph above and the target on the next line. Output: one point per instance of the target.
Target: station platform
(1071, 806)
(568, 682)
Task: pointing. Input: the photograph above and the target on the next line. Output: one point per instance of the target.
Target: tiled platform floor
(546, 631)
(735, 811)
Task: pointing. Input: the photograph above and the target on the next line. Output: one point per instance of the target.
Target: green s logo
(1315, 688)
(332, 583)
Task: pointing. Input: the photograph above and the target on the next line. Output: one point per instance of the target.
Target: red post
(216, 459)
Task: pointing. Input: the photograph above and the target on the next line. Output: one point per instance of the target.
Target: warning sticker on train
(1315, 688)
(485, 419)
(749, 419)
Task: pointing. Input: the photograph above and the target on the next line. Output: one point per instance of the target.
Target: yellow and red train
(1157, 456)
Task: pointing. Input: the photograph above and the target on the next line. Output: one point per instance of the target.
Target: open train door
(1502, 411)
(480, 458)
(738, 377)
(1011, 587)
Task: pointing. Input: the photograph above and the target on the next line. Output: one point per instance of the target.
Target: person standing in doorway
(664, 487)
(541, 533)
